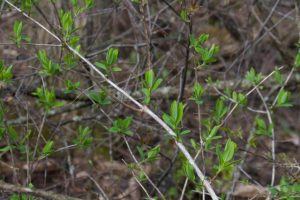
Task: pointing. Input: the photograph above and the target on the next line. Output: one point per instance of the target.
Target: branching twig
(248, 93)
(273, 135)
(138, 164)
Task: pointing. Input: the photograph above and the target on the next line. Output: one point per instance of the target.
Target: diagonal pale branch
(139, 105)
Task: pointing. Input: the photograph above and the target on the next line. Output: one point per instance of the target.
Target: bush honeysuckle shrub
(182, 123)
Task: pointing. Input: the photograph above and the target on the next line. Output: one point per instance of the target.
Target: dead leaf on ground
(250, 191)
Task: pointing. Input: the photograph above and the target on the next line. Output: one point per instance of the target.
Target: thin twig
(32, 44)
(103, 194)
(36, 192)
(268, 18)
(248, 93)
(273, 135)
(147, 177)
(184, 70)
(186, 179)
(140, 184)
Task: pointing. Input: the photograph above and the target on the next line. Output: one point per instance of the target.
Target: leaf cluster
(78, 9)
(100, 97)
(70, 86)
(83, 139)
(206, 54)
(262, 128)
(49, 68)
(253, 76)
(225, 157)
(150, 155)
(18, 37)
(121, 126)
(47, 98)
(5, 73)
(198, 92)
(108, 64)
(150, 85)
(174, 118)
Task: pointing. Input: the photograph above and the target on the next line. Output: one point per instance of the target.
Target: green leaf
(18, 37)
(150, 85)
(167, 119)
(253, 77)
(116, 69)
(136, 1)
(48, 148)
(189, 171)
(71, 87)
(206, 55)
(225, 157)
(5, 73)
(89, 3)
(262, 128)
(101, 66)
(297, 60)
(6, 149)
(128, 132)
(229, 150)
(13, 133)
(174, 111)
(211, 137)
(203, 38)
(18, 25)
(175, 117)
(100, 97)
(184, 132)
(147, 94)
(184, 15)
(47, 98)
(282, 99)
(26, 38)
(112, 56)
(26, 5)
(220, 109)
(115, 129)
(121, 126)
(278, 77)
(152, 153)
(48, 67)
(149, 78)
(83, 139)
(214, 49)
(260, 123)
(156, 84)
(141, 152)
(239, 98)
(70, 60)
(179, 113)
(198, 92)
(67, 22)
(74, 41)
(194, 144)
(74, 2)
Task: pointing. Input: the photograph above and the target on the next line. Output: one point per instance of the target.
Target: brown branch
(6, 187)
